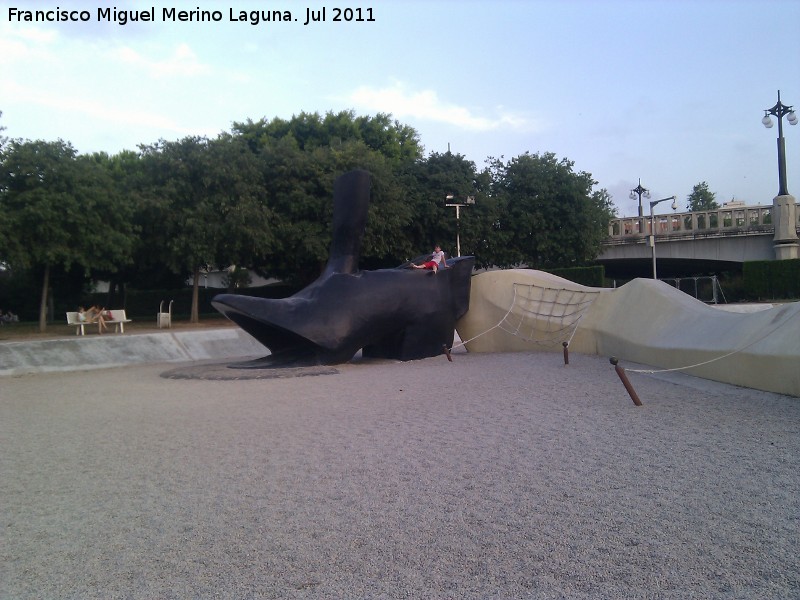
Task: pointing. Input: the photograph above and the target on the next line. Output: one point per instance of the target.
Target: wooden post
(624, 378)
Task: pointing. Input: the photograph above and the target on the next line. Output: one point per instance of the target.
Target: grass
(29, 330)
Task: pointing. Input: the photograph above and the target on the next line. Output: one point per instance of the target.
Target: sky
(669, 92)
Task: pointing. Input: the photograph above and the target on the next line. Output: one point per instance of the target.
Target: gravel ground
(494, 476)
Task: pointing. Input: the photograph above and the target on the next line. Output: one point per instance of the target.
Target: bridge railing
(727, 220)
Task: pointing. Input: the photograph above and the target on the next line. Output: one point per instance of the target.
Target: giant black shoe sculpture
(396, 313)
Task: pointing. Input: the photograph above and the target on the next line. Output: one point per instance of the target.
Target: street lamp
(458, 206)
(653, 228)
(640, 191)
(779, 110)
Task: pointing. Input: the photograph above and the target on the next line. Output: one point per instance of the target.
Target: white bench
(118, 320)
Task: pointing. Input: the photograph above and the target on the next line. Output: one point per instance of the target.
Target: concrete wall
(98, 352)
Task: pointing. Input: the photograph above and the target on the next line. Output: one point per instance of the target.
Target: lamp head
(792, 118)
(674, 204)
(767, 121)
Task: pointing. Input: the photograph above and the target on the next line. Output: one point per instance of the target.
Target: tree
(300, 159)
(548, 214)
(208, 197)
(238, 190)
(701, 198)
(299, 191)
(398, 143)
(148, 269)
(3, 139)
(176, 203)
(429, 182)
(386, 242)
(59, 209)
(298, 196)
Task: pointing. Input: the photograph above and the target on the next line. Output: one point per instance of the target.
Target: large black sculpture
(399, 313)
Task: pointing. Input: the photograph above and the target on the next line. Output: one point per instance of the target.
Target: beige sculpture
(645, 321)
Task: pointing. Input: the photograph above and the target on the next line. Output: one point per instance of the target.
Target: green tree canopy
(701, 198)
(397, 142)
(299, 190)
(207, 197)
(548, 214)
(3, 139)
(428, 183)
(60, 209)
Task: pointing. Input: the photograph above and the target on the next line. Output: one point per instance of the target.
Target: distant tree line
(260, 197)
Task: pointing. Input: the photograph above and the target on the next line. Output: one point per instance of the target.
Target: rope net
(546, 316)
(542, 315)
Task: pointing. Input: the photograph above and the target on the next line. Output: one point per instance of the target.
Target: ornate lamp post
(780, 110)
(653, 228)
(458, 206)
(640, 191)
(784, 208)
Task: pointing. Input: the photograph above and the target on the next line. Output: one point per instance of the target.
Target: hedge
(772, 279)
(589, 276)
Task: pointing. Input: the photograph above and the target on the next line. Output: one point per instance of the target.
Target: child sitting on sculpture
(435, 262)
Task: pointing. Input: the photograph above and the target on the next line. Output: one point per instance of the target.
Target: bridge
(699, 242)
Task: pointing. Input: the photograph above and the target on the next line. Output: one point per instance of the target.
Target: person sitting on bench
(93, 315)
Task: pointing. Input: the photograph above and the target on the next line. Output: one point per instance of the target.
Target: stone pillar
(784, 216)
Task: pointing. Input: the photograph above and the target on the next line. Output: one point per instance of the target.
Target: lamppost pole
(640, 191)
(653, 228)
(458, 206)
(779, 110)
(784, 208)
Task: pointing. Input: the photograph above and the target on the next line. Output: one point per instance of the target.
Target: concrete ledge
(99, 352)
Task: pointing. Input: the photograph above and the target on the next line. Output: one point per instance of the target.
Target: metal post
(640, 191)
(458, 230)
(783, 186)
(468, 200)
(653, 229)
(779, 111)
(653, 240)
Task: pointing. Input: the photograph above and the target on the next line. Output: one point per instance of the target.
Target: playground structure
(645, 321)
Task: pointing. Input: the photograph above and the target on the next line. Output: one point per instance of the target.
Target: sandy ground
(494, 476)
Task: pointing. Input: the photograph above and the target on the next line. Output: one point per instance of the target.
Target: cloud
(32, 34)
(183, 61)
(26, 44)
(40, 47)
(426, 104)
(95, 109)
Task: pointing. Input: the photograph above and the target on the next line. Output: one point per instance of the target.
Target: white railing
(727, 220)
